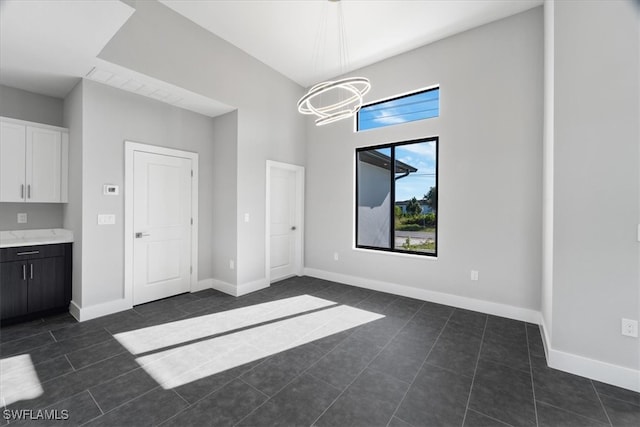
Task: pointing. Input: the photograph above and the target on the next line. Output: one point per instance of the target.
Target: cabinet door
(46, 283)
(12, 162)
(43, 165)
(13, 289)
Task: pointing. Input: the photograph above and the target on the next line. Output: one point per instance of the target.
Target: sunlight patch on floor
(18, 380)
(183, 364)
(181, 331)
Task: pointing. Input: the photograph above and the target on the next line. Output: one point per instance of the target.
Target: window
(424, 104)
(397, 197)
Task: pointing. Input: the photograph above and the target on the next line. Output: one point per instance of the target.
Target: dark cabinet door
(14, 283)
(46, 283)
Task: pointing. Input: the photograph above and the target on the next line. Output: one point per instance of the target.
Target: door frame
(130, 148)
(299, 171)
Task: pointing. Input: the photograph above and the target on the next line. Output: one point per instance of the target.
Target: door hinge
(191, 270)
(191, 221)
(191, 173)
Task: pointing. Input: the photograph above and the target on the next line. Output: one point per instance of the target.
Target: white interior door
(162, 226)
(285, 218)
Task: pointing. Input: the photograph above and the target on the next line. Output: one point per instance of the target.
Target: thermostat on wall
(110, 190)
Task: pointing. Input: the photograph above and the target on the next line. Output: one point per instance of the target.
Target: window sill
(400, 254)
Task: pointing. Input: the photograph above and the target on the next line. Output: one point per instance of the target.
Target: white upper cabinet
(13, 148)
(33, 162)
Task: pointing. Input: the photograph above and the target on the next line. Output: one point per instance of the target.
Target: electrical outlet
(630, 328)
(232, 264)
(336, 257)
(246, 217)
(22, 218)
(474, 275)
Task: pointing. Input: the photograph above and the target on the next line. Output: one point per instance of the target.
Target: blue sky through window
(422, 156)
(417, 106)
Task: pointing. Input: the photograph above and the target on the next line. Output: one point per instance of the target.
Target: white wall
(111, 116)
(546, 300)
(596, 180)
(269, 126)
(225, 198)
(72, 211)
(23, 105)
(39, 215)
(490, 168)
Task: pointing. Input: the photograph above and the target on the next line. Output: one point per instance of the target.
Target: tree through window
(397, 197)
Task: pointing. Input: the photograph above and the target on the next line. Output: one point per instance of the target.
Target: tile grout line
(18, 326)
(181, 398)
(420, 368)
(52, 336)
(95, 385)
(122, 404)
(317, 361)
(453, 371)
(27, 349)
(600, 400)
(370, 362)
(206, 395)
(609, 396)
(69, 362)
(533, 387)
(490, 417)
(475, 369)
(95, 401)
(256, 389)
(572, 412)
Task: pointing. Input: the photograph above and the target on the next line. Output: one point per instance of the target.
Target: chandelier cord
(331, 101)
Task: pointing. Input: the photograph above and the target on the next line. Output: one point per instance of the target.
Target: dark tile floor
(421, 364)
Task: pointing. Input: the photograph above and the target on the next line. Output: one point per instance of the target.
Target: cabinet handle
(24, 271)
(29, 191)
(28, 253)
(31, 266)
(22, 191)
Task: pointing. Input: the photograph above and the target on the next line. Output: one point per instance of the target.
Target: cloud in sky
(422, 156)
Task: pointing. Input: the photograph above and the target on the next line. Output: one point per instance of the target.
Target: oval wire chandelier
(345, 95)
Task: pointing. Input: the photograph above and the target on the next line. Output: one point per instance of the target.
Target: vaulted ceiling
(47, 46)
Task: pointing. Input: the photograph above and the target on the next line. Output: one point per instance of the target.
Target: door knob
(293, 227)
(141, 235)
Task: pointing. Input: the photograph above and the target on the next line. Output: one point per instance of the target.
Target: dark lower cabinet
(13, 289)
(34, 280)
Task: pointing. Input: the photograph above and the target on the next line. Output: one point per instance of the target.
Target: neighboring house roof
(380, 160)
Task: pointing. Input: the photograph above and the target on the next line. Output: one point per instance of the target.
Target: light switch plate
(106, 219)
(22, 218)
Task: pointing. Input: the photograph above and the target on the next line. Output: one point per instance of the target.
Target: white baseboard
(202, 285)
(225, 287)
(98, 310)
(249, 287)
(239, 290)
(598, 370)
(497, 309)
(594, 369)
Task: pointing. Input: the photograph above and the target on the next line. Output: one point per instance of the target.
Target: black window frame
(394, 98)
(392, 196)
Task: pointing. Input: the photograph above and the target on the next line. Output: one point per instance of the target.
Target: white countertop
(11, 239)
